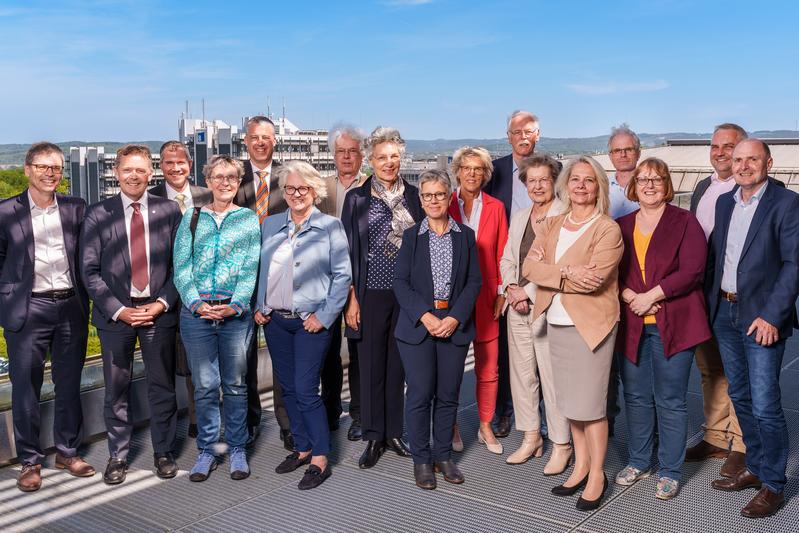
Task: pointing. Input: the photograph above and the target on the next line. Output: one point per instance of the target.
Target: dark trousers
(58, 327)
(504, 398)
(354, 378)
(157, 349)
(382, 374)
(333, 374)
(434, 372)
(254, 396)
(297, 359)
(613, 408)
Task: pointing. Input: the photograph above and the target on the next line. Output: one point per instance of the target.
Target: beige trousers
(528, 349)
(721, 424)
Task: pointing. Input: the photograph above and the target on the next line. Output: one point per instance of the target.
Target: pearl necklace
(586, 221)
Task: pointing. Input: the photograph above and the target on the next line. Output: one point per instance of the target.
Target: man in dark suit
(176, 165)
(754, 282)
(43, 308)
(722, 436)
(259, 191)
(126, 265)
(523, 132)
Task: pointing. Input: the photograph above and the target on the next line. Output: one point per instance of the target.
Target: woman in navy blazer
(660, 278)
(436, 282)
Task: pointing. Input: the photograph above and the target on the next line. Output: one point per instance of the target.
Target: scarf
(401, 219)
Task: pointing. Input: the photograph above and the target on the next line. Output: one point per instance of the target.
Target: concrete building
(91, 172)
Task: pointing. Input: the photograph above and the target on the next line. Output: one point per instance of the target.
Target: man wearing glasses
(126, 265)
(43, 308)
(624, 150)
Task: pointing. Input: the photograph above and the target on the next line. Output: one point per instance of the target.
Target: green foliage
(13, 181)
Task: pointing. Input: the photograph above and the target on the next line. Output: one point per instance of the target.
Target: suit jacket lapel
(68, 233)
(725, 214)
(423, 255)
(121, 233)
(23, 211)
(362, 216)
(457, 246)
(763, 207)
(155, 241)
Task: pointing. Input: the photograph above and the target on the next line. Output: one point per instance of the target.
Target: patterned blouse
(441, 258)
(382, 256)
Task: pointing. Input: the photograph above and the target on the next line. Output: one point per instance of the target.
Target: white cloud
(614, 87)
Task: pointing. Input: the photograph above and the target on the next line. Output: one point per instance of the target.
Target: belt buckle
(441, 304)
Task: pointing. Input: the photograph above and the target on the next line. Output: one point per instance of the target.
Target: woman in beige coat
(574, 262)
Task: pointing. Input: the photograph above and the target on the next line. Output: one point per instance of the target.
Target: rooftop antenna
(187, 109)
(268, 108)
(203, 111)
(284, 110)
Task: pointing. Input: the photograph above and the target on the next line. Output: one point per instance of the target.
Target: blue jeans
(297, 359)
(217, 355)
(753, 373)
(657, 385)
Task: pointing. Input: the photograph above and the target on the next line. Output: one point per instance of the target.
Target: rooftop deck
(495, 496)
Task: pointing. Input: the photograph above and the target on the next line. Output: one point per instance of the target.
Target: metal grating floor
(495, 496)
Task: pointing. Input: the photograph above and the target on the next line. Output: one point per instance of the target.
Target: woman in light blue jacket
(303, 284)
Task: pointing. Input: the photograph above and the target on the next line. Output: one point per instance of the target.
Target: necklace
(586, 221)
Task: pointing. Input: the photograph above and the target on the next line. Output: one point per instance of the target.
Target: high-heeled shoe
(559, 459)
(457, 441)
(563, 490)
(532, 445)
(590, 505)
(493, 448)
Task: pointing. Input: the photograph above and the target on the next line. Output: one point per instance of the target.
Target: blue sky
(121, 70)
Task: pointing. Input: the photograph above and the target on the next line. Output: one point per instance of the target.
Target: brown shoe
(734, 465)
(30, 479)
(74, 465)
(744, 480)
(704, 450)
(765, 503)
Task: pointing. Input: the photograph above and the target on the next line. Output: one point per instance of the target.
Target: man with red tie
(259, 191)
(126, 265)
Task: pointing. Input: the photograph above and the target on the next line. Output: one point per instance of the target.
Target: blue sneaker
(206, 462)
(239, 469)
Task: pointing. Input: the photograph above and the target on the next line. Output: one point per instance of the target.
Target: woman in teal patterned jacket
(215, 265)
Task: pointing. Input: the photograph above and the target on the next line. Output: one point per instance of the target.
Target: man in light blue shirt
(624, 150)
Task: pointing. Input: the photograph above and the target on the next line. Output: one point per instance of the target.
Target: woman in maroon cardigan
(660, 279)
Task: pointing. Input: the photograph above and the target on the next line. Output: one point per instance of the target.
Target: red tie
(138, 250)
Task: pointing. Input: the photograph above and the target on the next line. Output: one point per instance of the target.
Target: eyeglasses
(352, 152)
(291, 190)
(230, 178)
(428, 196)
(131, 171)
(477, 171)
(539, 182)
(655, 182)
(55, 169)
(523, 133)
(627, 150)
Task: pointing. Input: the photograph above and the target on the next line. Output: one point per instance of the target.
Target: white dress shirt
(520, 199)
(741, 219)
(257, 177)
(477, 208)
(50, 262)
(280, 283)
(171, 193)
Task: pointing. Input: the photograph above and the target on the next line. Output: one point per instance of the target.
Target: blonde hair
(562, 185)
(471, 151)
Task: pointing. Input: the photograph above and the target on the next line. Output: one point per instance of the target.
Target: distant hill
(14, 154)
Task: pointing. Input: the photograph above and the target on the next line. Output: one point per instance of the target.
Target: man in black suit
(43, 308)
(126, 265)
(176, 165)
(523, 132)
(259, 191)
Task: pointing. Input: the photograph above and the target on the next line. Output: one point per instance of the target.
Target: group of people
(566, 281)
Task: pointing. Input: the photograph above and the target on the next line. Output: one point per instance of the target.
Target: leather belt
(226, 301)
(285, 313)
(440, 304)
(59, 294)
(139, 301)
(729, 296)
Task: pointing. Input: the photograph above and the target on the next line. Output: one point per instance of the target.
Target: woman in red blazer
(486, 216)
(660, 279)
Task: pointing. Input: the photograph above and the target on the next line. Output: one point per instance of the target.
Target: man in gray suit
(43, 308)
(126, 265)
(176, 165)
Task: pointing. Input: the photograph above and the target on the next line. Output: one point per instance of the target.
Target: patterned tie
(262, 196)
(138, 250)
(180, 198)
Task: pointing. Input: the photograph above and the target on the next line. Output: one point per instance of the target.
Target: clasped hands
(439, 327)
(216, 313)
(142, 315)
(584, 277)
(518, 299)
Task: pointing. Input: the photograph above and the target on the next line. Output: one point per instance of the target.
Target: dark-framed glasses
(292, 190)
(428, 196)
(55, 169)
(230, 178)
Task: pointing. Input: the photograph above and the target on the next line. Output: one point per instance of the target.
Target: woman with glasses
(663, 319)
(436, 281)
(485, 215)
(303, 283)
(375, 215)
(215, 264)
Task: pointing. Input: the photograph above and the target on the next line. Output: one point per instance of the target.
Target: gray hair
(562, 183)
(470, 151)
(383, 134)
(259, 119)
(222, 159)
(521, 113)
(340, 130)
(624, 129)
(307, 173)
(435, 176)
(735, 127)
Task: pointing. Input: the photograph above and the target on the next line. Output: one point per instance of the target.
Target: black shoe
(425, 477)
(314, 477)
(288, 439)
(253, 433)
(452, 473)
(193, 431)
(115, 471)
(590, 505)
(292, 462)
(354, 432)
(503, 427)
(165, 465)
(333, 424)
(562, 490)
(371, 454)
(398, 446)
